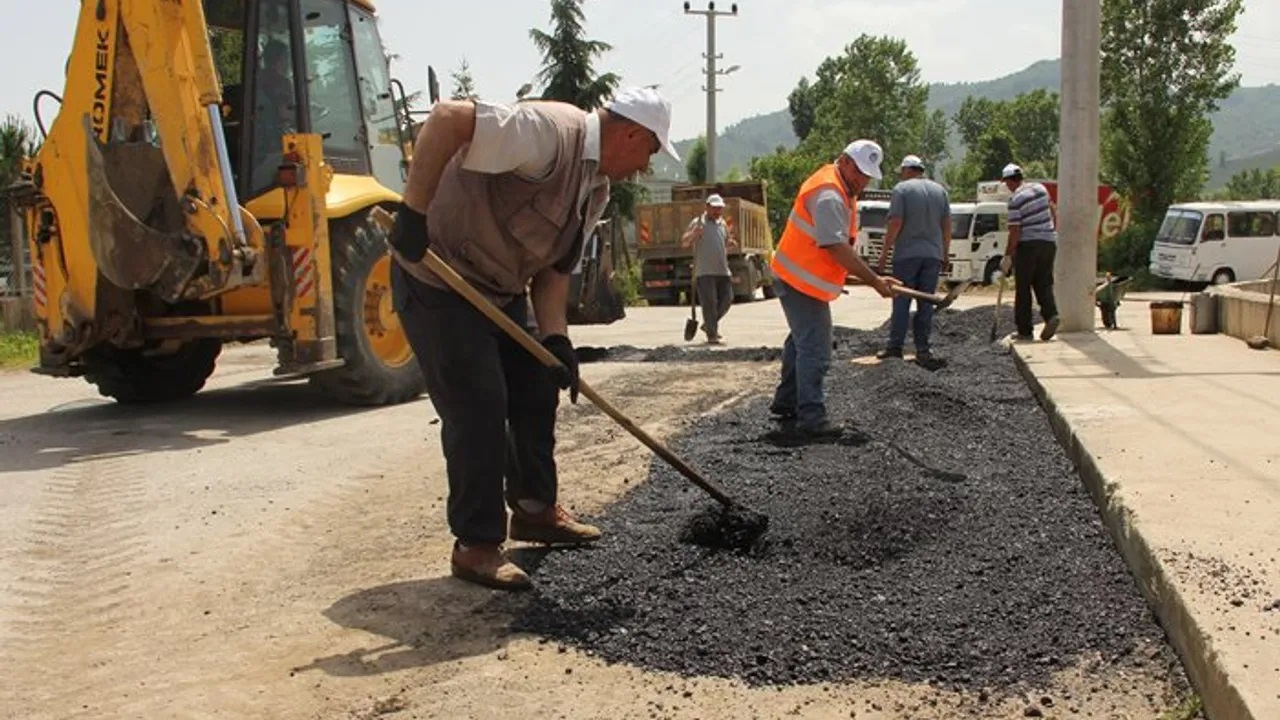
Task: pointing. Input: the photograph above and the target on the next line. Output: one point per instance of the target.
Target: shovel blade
(690, 328)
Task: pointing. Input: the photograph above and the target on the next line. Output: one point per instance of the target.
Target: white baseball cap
(714, 200)
(912, 161)
(646, 107)
(1009, 171)
(867, 155)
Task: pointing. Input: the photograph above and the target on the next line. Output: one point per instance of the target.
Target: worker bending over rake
(506, 195)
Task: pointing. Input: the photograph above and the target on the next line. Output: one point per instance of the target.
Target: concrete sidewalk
(1176, 437)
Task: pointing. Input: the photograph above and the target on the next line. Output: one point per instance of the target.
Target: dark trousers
(497, 406)
(916, 273)
(1033, 272)
(715, 295)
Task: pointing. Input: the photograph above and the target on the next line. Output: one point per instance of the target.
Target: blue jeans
(919, 274)
(806, 356)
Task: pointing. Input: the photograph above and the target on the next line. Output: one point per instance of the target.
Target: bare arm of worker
(890, 237)
(831, 225)
(449, 127)
(691, 232)
(893, 229)
(502, 139)
(946, 231)
(550, 295)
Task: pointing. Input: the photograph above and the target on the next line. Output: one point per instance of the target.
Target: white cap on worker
(866, 155)
(912, 161)
(714, 200)
(1009, 171)
(646, 107)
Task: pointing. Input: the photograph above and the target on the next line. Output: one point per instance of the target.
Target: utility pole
(1077, 264)
(711, 90)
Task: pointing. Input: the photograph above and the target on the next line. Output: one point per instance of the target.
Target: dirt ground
(253, 555)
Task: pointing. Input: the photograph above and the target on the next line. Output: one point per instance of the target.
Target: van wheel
(380, 366)
(1223, 277)
(989, 272)
(132, 377)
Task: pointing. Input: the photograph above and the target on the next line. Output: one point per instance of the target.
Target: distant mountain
(1246, 127)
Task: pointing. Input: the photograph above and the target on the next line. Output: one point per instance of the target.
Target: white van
(1217, 242)
(979, 234)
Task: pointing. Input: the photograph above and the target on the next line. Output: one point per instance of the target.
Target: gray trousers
(715, 295)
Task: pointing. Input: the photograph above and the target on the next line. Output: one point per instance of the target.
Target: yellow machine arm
(136, 161)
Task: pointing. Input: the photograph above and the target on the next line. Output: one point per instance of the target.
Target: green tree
(872, 90)
(785, 170)
(1255, 184)
(567, 59)
(17, 141)
(800, 103)
(464, 86)
(696, 162)
(568, 73)
(1166, 64)
(933, 139)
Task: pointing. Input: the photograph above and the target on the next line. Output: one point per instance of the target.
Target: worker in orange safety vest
(810, 265)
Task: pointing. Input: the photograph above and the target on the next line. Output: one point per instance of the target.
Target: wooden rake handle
(535, 348)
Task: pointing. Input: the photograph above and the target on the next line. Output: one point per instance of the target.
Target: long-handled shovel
(459, 285)
(995, 317)
(691, 325)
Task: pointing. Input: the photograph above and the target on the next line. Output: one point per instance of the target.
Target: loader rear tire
(134, 378)
(380, 366)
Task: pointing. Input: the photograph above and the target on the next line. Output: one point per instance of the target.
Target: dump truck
(667, 267)
(210, 178)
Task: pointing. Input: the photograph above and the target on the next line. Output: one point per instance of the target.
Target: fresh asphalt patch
(953, 543)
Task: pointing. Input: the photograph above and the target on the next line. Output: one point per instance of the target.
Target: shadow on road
(427, 622)
(95, 429)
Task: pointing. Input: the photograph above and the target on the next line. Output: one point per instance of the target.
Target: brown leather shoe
(551, 526)
(488, 565)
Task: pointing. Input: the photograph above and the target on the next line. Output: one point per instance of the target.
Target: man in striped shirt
(1030, 252)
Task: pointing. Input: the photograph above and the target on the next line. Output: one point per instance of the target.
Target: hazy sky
(774, 41)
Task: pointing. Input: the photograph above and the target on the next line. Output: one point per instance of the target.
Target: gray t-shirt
(709, 250)
(922, 205)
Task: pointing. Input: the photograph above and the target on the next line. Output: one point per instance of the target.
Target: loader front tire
(133, 377)
(380, 366)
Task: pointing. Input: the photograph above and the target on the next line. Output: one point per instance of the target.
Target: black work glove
(567, 376)
(409, 235)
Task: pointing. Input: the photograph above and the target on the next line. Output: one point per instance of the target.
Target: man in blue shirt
(919, 237)
(1030, 252)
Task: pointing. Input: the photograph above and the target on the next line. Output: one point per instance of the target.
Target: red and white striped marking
(303, 272)
(39, 291)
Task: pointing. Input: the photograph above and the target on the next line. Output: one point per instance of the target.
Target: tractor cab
(262, 48)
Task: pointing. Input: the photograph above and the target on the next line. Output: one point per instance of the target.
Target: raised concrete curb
(1221, 698)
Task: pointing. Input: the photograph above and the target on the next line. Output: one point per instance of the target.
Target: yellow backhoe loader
(209, 178)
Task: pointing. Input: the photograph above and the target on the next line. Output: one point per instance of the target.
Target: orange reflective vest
(798, 261)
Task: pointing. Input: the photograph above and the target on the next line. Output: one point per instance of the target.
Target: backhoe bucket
(129, 252)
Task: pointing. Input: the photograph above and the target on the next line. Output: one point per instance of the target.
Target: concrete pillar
(1077, 260)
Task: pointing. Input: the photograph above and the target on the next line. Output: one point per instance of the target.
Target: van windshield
(1180, 227)
(873, 218)
(960, 225)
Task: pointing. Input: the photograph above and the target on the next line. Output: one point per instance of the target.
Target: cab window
(275, 96)
(331, 86)
(1214, 228)
(986, 223)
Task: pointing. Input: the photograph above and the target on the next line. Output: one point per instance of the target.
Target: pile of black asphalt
(947, 539)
